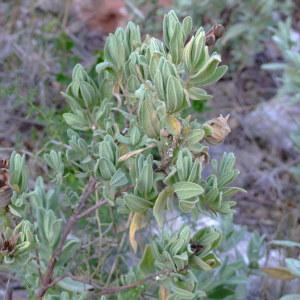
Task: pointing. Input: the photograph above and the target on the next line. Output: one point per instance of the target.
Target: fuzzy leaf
(74, 286)
(76, 121)
(160, 205)
(293, 265)
(186, 190)
(118, 179)
(291, 297)
(284, 243)
(147, 261)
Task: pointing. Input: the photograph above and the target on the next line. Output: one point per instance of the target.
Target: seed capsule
(219, 130)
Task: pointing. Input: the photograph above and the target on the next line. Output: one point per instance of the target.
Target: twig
(37, 254)
(91, 209)
(47, 280)
(135, 9)
(66, 14)
(8, 291)
(97, 215)
(121, 244)
(117, 289)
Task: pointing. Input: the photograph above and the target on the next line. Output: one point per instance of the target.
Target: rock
(271, 123)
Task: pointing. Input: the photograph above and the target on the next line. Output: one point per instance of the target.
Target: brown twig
(47, 280)
(66, 14)
(117, 289)
(91, 209)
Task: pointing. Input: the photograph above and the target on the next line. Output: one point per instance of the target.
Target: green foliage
(289, 89)
(133, 156)
(246, 22)
(230, 280)
(286, 41)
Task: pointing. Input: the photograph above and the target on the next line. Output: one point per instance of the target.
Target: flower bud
(8, 244)
(219, 130)
(14, 242)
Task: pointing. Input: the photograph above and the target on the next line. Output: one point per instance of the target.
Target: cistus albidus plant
(134, 155)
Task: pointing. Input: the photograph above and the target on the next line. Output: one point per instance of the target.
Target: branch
(117, 289)
(91, 209)
(47, 280)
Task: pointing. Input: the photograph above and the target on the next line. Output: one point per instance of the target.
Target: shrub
(134, 157)
(246, 22)
(286, 41)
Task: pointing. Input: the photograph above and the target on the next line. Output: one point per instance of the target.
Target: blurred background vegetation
(42, 40)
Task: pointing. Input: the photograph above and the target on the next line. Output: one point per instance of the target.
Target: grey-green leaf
(186, 190)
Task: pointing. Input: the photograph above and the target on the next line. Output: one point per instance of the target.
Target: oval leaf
(279, 273)
(186, 190)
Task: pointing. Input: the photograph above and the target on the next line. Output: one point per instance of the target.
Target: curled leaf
(279, 273)
(137, 223)
(160, 205)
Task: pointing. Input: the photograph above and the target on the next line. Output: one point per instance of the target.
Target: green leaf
(176, 44)
(206, 71)
(186, 190)
(293, 265)
(187, 25)
(74, 286)
(188, 205)
(147, 261)
(199, 263)
(69, 250)
(285, 243)
(215, 76)
(174, 95)
(118, 179)
(195, 136)
(220, 292)
(291, 297)
(136, 203)
(196, 93)
(103, 66)
(160, 205)
(209, 237)
(18, 172)
(106, 168)
(228, 192)
(273, 66)
(76, 121)
(146, 178)
(212, 260)
(182, 293)
(88, 93)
